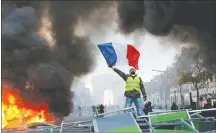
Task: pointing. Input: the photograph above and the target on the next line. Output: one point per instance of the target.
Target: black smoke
(185, 20)
(27, 58)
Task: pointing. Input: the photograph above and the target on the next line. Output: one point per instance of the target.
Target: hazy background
(155, 53)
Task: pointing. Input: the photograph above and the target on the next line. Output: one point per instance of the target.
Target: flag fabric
(120, 54)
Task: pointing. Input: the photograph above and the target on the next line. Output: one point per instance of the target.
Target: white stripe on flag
(121, 52)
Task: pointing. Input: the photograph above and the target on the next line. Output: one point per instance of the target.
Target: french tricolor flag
(120, 54)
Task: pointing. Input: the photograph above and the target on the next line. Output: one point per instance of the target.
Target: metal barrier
(204, 123)
(124, 122)
(79, 126)
(115, 112)
(109, 121)
(194, 121)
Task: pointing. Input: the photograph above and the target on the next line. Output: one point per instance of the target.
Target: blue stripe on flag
(108, 52)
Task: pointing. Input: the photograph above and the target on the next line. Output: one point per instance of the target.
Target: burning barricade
(16, 114)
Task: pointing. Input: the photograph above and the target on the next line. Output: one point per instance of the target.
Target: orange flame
(16, 114)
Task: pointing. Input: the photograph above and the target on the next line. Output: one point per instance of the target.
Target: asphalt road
(72, 118)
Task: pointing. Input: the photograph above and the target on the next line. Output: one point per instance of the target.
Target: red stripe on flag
(133, 56)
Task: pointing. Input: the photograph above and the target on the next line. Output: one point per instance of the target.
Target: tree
(199, 80)
(163, 82)
(192, 70)
(171, 75)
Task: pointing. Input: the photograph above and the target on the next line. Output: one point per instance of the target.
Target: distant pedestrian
(214, 104)
(174, 106)
(147, 108)
(94, 109)
(101, 109)
(80, 111)
(207, 106)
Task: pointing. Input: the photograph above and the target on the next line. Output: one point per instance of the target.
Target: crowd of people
(99, 109)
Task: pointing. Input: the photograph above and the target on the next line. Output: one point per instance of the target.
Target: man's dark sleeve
(142, 88)
(120, 73)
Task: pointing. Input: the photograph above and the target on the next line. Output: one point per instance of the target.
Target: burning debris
(187, 21)
(42, 75)
(16, 113)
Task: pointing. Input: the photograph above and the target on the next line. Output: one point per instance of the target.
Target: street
(73, 118)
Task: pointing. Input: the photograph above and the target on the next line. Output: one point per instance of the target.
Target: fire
(17, 114)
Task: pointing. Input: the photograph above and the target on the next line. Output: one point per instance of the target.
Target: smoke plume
(187, 21)
(27, 58)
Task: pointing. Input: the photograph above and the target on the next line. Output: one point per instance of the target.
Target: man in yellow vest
(134, 86)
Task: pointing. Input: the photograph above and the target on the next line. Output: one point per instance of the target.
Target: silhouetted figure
(174, 106)
(210, 113)
(98, 109)
(94, 110)
(147, 108)
(80, 111)
(214, 104)
(101, 108)
(207, 106)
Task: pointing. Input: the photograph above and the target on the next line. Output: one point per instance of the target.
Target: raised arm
(120, 73)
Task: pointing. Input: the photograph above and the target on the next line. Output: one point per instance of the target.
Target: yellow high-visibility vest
(132, 84)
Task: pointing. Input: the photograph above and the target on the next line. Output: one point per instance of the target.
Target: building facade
(209, 91)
